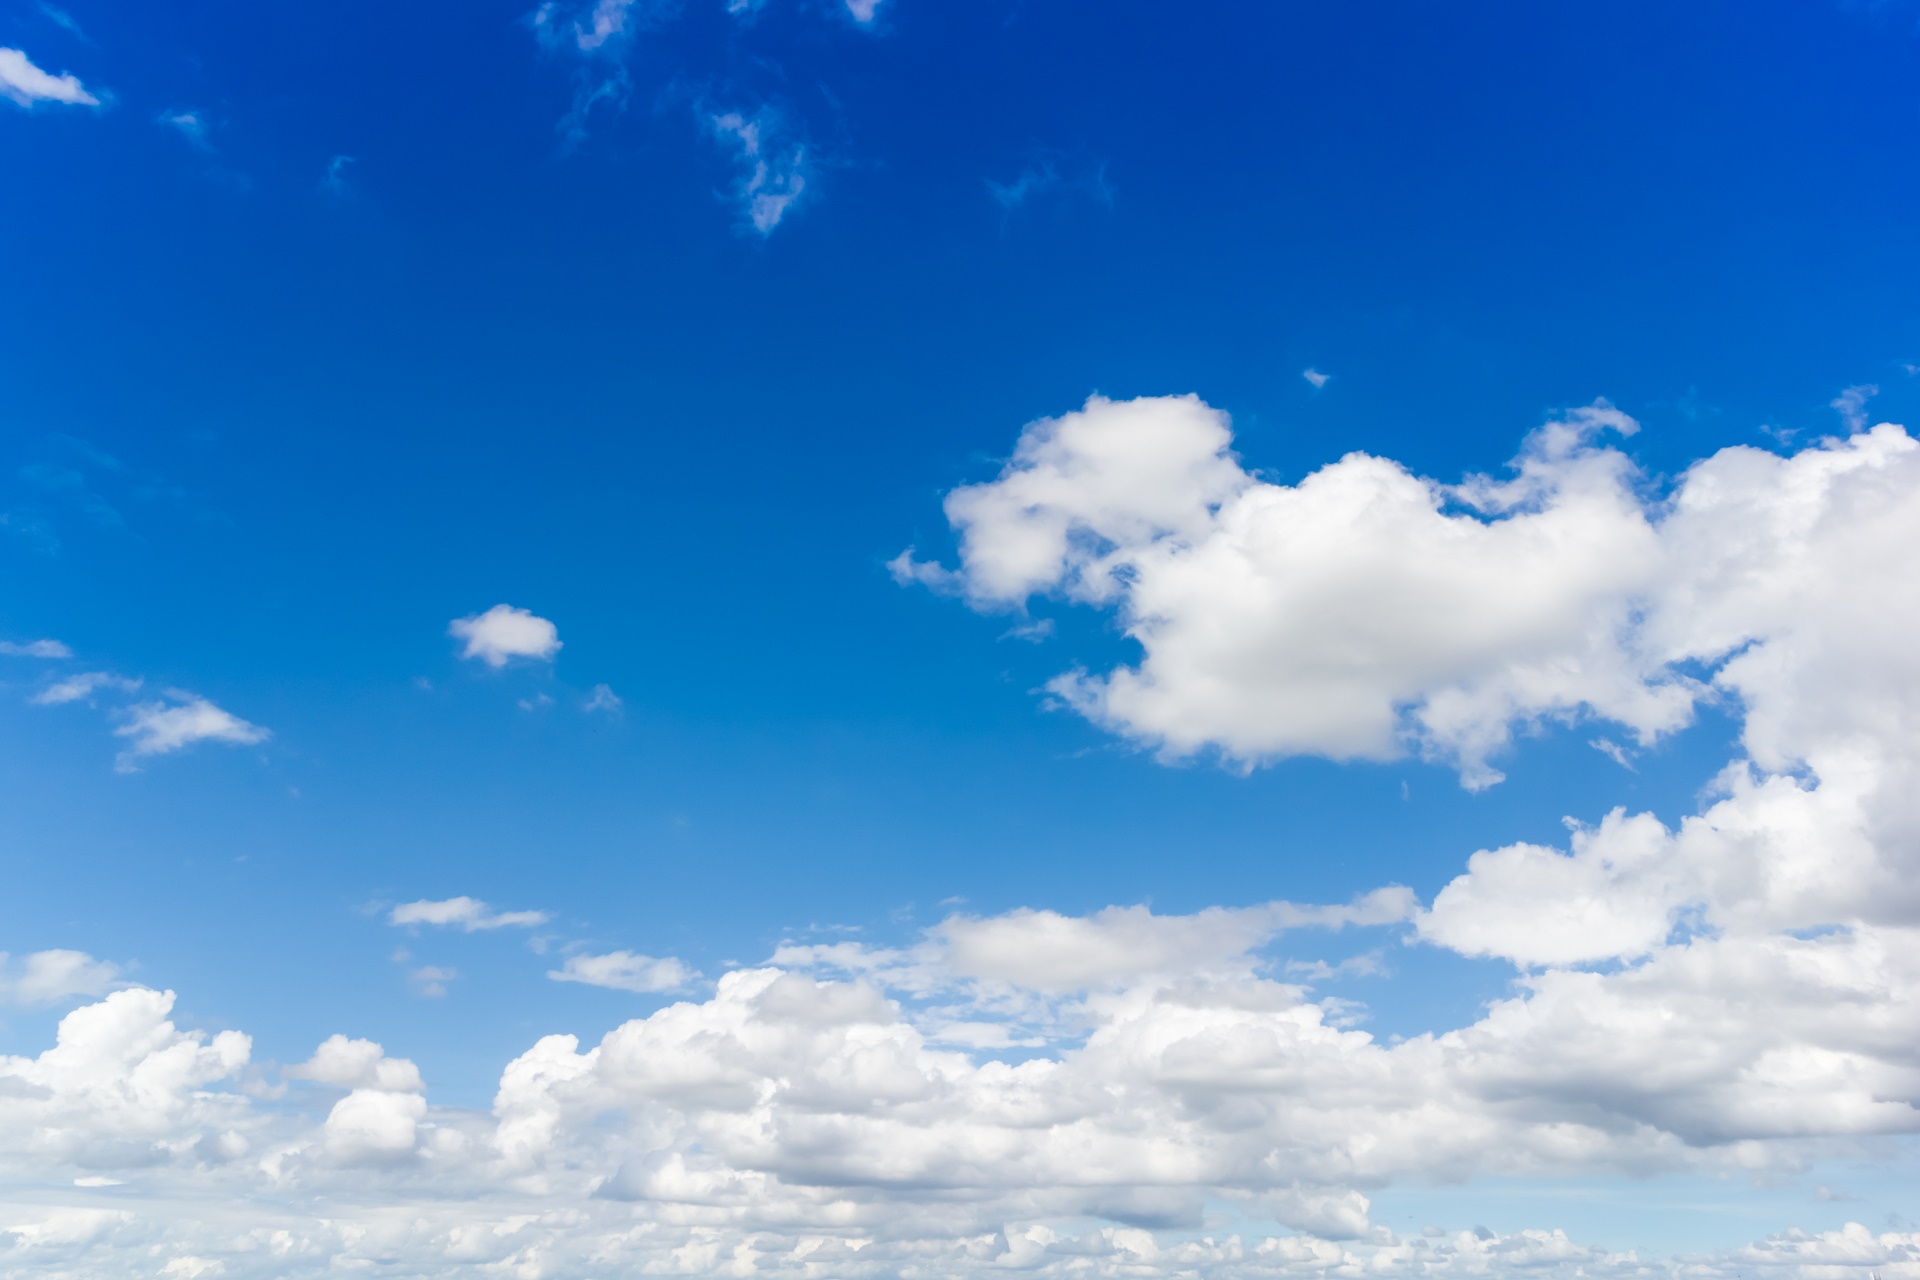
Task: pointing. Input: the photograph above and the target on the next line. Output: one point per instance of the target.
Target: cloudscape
(884, 638)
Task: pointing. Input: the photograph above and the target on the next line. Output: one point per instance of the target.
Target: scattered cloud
(177, 722)
(863, 11)
(772, 165)
(1317, 378)
(503, 633)
(603, 698)
(35, 649)
(625, 971)
(1053, 174)
(74, 688)
(464, 913)
(334, 181)
(27, 85)
(47, 977)
(431, 979)
(191, 125)
(1851, 405)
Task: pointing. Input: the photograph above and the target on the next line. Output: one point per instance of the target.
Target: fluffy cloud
(181, 720)
(1733, 993)
(46, 977)
(464, 913)
(27, 84)
(503, 633)
(1365, 611)
(624, 971)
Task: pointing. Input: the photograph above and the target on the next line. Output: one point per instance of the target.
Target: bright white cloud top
(1079, 1096)
(27, 85)
(504, 633)
(469, 914)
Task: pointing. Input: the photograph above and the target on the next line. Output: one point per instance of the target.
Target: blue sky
(675, 324)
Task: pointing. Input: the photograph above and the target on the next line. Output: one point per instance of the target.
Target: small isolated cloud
(603, 699)
(35, 649)
(163, 727)
(503, 633)
(27, 84)
(1614, 752)
(431, 979)
(772, 166)
(863, 10)
(335, 181)
(1851, 405)
(190, 125)
(46, 977)
(1055, 175)
(625, 971)
(84, 685)
(1317, 378)
(464, 913)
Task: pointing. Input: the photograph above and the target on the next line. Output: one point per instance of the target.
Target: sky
(883, 638)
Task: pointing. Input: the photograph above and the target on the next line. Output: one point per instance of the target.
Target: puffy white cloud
(74, 688)
(162, 727)
(358, 1064)
(773, 166)
(503, 633)
(464, 913)
(35, 649)
(46, 977)
(624, 971)
(27, 84)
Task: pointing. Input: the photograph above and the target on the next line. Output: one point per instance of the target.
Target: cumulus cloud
(624, 971)
(503, 633)
(27, 85)
(47, 977)
(178, 722)
(1731, 993)
(35, 649)
(468, 914)
(1316, 378)
(772, 165)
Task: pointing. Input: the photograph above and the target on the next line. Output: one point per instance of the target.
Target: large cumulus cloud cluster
(1134, 1094)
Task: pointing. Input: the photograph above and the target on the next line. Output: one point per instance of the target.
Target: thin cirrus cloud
(464, 913)
(48, 977)
(176, 722)
(83, 685)
(27, 85)
(772, 165)
(34, 649)
(625, 971)
(504, 633)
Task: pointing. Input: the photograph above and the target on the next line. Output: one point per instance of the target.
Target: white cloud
(773, 168)
(35, 649)
(432, 979)
(162, 727)
(1851, 405)
(604, 699)
(190, 125)
(1317, 378)
(503, 633)
(46, 977)
(27, 84)
(76, 687)
(625, 971)
(863, 10)
(358, 1064)
(464, 913)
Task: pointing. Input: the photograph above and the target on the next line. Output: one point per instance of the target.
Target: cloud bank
(1133, 1094)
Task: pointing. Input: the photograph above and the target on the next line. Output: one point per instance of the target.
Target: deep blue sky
(262, 437)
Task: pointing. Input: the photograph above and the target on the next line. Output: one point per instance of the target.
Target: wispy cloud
(334, 182)
(46, 977)
(1053, 174)
(464, 913)
(178, 722)
(772, 165)
(625, 971)
(1317, 378)
(603, 699)
(1851, 405)
(27, 85)
(35, 649)
(76, 687)
(191, 125)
